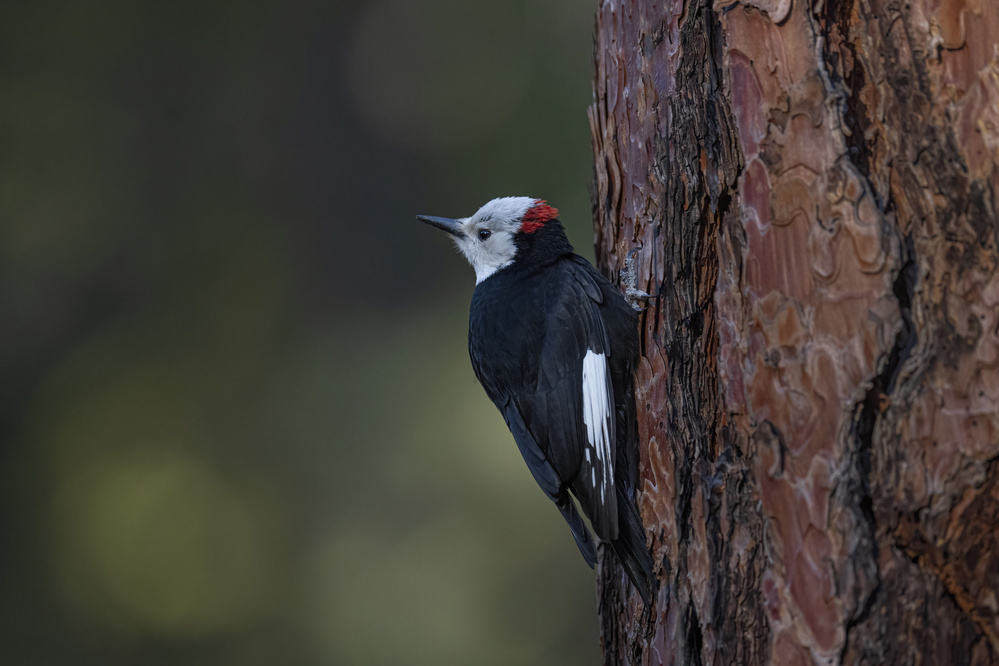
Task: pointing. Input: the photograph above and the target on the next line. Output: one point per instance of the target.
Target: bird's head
(492, 237)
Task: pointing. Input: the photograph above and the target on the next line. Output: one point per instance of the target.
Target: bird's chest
(506, 332)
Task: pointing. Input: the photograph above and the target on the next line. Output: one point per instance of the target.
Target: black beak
(453, 227)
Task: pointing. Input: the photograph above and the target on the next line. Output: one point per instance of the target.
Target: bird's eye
(484, 234)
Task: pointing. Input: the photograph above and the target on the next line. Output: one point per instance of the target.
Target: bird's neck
(544, 246)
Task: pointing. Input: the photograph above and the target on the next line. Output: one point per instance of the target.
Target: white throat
(482, 272)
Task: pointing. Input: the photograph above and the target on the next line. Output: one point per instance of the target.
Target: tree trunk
(813, 192)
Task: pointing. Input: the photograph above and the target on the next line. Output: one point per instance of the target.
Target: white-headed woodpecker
(555, 346)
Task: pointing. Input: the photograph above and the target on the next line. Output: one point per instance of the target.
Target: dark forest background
(238, 424)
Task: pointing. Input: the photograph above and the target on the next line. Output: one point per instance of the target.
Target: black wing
(549, 481)
(541, 390)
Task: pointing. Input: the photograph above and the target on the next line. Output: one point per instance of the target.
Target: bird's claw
(636, 297)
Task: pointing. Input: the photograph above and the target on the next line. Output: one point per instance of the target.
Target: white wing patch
(597, 409)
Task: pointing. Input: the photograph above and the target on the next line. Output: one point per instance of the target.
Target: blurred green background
(238, 422)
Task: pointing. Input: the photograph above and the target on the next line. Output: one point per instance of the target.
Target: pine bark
(812, 191)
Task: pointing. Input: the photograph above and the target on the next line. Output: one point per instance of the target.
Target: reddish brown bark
(813, 189)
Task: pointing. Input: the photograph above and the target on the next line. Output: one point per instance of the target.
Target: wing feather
(565, 432)
(574, 426)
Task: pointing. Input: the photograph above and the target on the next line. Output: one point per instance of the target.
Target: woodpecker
(555, 346)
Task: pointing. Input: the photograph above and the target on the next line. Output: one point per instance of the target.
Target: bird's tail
(631, 549)
(579, 532)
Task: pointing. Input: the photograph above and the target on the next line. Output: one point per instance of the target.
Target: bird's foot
(636, 298)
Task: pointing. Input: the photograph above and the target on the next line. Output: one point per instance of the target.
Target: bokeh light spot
(164, 540)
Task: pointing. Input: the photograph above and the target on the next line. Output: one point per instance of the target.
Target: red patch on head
(536, 216)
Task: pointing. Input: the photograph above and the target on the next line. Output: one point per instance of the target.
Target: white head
(488, 238)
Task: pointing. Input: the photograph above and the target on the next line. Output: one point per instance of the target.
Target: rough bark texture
(812, 189)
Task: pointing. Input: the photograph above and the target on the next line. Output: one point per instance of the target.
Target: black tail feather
(584, 540)
(631, 549)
